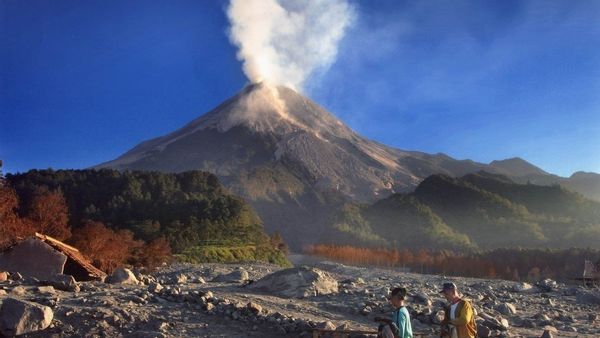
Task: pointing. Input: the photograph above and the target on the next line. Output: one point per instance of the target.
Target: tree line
(128, 217)
(511, 264)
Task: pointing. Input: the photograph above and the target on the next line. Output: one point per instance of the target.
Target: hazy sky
(81, 82)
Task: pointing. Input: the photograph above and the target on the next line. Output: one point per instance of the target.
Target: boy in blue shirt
(399, 326)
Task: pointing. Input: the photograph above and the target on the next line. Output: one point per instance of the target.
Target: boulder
(588, 297)
(19, 317)
(297, 283)
(155, 287)
(494, 323)
(63, 282)
(483, 331)
(34, 258)
(122, 276)
(254, 308)
(179, 279)
(327, 325)
(506, 309)
(547, 284)
(236, 276)
(18, 291)
(3, 276)
(524, 288)
(422, 298)
(547, 334)
(48, 290)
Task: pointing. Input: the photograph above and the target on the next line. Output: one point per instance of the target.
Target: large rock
(524, 288)
(122, 276)
(19, 317)
(236, 276)
(33, 258)
(506, 309)
(297, 283)
(588, 297)
(3, 276)
(63, 282)
(493, 323)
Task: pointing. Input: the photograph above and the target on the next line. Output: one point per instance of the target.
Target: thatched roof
(74, 255)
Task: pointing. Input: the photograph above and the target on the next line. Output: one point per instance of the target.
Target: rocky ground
(220, 300)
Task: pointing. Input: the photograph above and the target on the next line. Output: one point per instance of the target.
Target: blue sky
(81, 82)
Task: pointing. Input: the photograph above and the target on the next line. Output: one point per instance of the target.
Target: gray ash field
(225, 300)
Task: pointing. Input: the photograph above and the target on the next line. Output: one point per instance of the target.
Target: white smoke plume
(282, 42)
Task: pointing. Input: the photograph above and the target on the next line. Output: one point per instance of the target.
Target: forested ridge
(188, 209)
(478, 211)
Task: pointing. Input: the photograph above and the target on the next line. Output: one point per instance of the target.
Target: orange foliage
(153, 254)
(12, 226)
(48, 213)
(108, 249)
(499, 263)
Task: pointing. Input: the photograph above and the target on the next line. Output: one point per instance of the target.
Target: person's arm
(465, 316)
(401, 323)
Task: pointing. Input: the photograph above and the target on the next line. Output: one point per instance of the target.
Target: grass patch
(233, 254)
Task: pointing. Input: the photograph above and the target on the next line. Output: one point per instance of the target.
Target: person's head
(397, 297)
(449, 291)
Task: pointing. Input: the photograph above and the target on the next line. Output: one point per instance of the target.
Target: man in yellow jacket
(459, 318)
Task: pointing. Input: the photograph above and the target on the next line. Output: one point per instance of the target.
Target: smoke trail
(283, 41)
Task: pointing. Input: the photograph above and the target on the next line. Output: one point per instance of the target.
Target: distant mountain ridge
(476, 211)
(295, 162)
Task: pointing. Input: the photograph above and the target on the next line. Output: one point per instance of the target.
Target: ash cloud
(282, 42)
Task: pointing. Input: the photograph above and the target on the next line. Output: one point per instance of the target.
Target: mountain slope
(480, 210)
(292, 160)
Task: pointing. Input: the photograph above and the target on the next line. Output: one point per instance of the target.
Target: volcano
(291, 159)
(276, 129)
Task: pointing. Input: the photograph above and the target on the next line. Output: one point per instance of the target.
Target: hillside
(480, 210)
(189, 209)
(296, 163)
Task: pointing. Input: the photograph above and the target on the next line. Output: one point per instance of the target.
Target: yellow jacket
(464, 321)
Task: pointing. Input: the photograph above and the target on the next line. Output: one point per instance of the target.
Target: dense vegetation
(185, 209)
(512, 264)
(479, 211)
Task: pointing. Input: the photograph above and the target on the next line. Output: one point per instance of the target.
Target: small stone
(547, 334)
(366, 310)
(15, 276)
(254, 308)
(327, 325)
(49, 290)
(155, 287)
(181, 279)
(18, 291)
(343, 327)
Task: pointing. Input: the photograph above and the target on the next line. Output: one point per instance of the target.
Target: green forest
(191, 210)
(480, 211)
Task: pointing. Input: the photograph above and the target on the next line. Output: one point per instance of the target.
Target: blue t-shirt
(402, 319)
